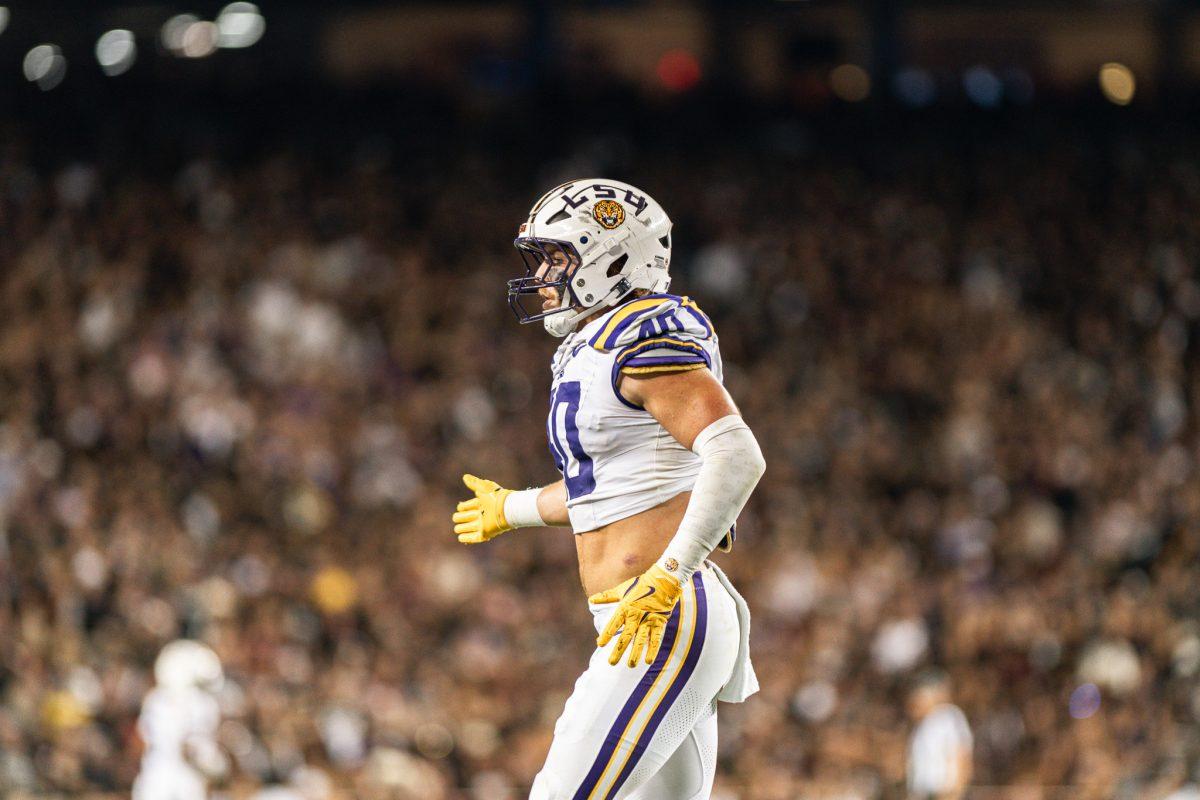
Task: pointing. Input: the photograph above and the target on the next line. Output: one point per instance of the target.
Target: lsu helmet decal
(609, 213)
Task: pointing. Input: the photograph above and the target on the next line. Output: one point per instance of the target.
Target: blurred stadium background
(254, 330)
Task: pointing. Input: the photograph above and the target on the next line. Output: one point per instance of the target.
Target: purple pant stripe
(689, 666)
(635, 699)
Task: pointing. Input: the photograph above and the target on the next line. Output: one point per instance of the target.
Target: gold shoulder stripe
(660, 368)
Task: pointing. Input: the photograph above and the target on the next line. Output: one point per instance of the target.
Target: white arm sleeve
(731, 464)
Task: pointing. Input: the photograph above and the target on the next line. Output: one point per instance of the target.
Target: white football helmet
(185, 663)
(593, 240)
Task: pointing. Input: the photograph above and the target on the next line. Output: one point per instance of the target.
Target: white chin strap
(561, 324)
(564, 322)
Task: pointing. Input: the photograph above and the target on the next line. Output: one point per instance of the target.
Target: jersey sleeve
(657, 333)
(662, 354)
(660, 333)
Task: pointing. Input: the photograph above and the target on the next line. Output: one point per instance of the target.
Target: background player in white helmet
(656, 464)
(178, 725)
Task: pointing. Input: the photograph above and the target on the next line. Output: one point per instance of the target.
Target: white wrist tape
(731, 464)
(521, 510)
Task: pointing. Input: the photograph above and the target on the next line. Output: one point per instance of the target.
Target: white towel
(742, 682)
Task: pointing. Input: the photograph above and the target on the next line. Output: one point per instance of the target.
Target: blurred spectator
(941, 746)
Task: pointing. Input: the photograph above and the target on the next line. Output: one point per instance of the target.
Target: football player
(178, 725)
(656, 463)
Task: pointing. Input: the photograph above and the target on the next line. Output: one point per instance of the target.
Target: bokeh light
(982, 86)
(174, 29)
(850, 82)
(45, 66)
(678, 70)
(239, 25)
(334, 590)
(1117, 83)
(116, 51)
(1085, 701)
(3, 18)
(199, 40)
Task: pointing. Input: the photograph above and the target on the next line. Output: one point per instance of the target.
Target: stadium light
(239, 25)
(116, 51)
(45, 66)
(850, 82)
(1117, 83)
(3, 18)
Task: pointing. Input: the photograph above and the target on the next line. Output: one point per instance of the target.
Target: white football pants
(648, 732)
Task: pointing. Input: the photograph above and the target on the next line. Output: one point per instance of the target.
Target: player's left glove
(646, 603)
(482, 517)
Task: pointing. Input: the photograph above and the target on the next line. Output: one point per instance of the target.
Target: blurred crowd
(237, 400)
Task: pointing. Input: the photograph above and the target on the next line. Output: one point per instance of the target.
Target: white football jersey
(615, 458)
(933, 751)
(173, 718)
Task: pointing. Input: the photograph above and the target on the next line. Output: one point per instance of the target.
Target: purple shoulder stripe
(664, 361)
(651, 354)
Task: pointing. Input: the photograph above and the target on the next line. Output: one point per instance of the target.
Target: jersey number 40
(563, 432)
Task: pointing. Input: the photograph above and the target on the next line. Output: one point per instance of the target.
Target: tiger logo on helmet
(609, 213)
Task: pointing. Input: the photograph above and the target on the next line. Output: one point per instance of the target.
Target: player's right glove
(482, 517)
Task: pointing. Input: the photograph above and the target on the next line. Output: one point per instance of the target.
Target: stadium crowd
(238, 398)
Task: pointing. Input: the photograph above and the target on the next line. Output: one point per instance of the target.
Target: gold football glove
(646, 603)
(482, 517)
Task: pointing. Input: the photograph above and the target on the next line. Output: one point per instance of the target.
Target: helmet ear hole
(618, 264)
(665, 241)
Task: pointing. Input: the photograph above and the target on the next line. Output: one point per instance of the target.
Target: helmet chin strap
(570, 319)
(559, 325)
